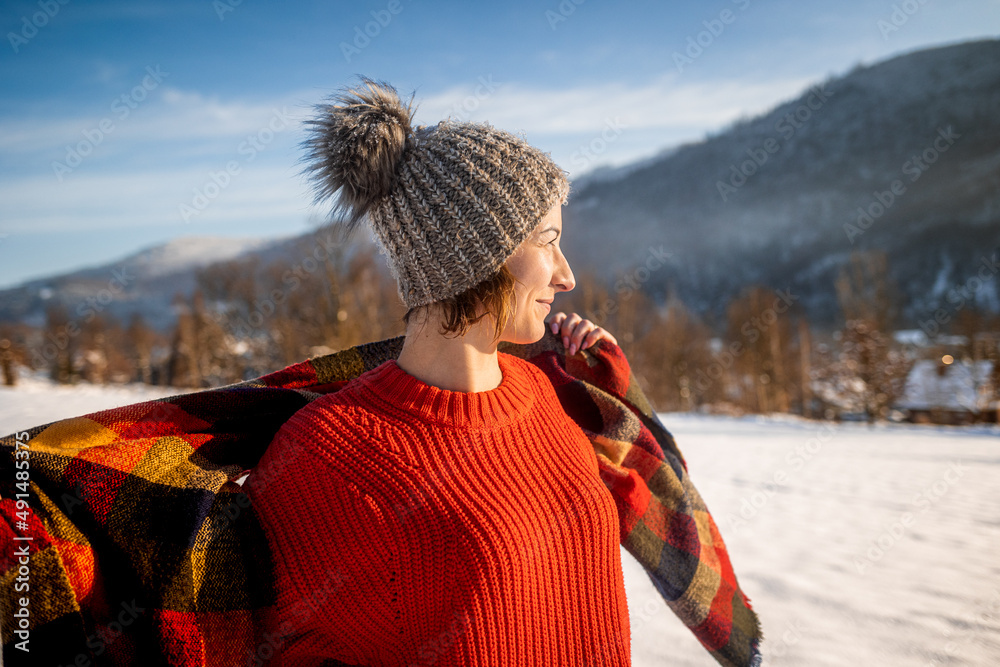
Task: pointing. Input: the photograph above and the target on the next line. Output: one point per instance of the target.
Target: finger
(604, 333)
(581, 331)
(568, 327)
(556, 321)
(594, 336)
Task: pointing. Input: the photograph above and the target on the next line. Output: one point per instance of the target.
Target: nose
(562, 277)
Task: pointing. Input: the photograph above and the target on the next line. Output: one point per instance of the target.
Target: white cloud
(166, 115)
(663, 103)
(188, 122)
(123, 200)
(640, 120)
(190, 129)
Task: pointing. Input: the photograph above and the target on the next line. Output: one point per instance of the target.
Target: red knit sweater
(412, 525)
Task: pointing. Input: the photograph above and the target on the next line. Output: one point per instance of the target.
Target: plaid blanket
(127, 538)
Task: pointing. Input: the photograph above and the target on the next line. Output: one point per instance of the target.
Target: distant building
(911, 337)
(949, 393)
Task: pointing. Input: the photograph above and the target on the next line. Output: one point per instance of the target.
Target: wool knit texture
(413, 525)
(466, 196)
(447, 203)
(138, 506)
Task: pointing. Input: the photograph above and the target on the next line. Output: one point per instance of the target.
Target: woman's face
(541, 270)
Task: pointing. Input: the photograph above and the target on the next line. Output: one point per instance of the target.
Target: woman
(442, 508)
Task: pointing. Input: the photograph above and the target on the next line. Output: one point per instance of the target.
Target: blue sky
(126, 124)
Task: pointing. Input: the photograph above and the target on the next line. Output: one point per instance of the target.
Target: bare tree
(139, 341)
(867, 352)
(14, 350)
(182, 366)
(762, 365)
(93, 348)
(7, 361)
(200, 351)
(669, 355)
(805, 367)
(59, 344)
(980, 350)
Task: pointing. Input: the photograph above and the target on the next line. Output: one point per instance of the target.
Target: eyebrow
(551, 229)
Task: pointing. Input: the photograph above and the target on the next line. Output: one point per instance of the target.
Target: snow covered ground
(856, 546)
(36, 401)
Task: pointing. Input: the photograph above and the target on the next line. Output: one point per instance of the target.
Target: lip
(547, 304)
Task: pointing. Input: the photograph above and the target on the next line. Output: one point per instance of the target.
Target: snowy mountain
(144, 283)
(147, 282)
(184, 254)
(902, 156)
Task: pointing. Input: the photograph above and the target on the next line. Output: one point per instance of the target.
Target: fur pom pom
(355, 144)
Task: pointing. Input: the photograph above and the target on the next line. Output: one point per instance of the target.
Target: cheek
(546, 271)
(533, 271)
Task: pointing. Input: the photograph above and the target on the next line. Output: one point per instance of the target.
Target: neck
(467, 363)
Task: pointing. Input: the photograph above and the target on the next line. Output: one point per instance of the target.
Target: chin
(527, 332)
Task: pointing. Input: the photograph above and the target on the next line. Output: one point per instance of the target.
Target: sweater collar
(399, 391)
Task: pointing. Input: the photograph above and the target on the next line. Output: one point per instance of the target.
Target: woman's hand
(578, 333)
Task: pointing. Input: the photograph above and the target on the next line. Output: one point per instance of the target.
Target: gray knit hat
(447, 203)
